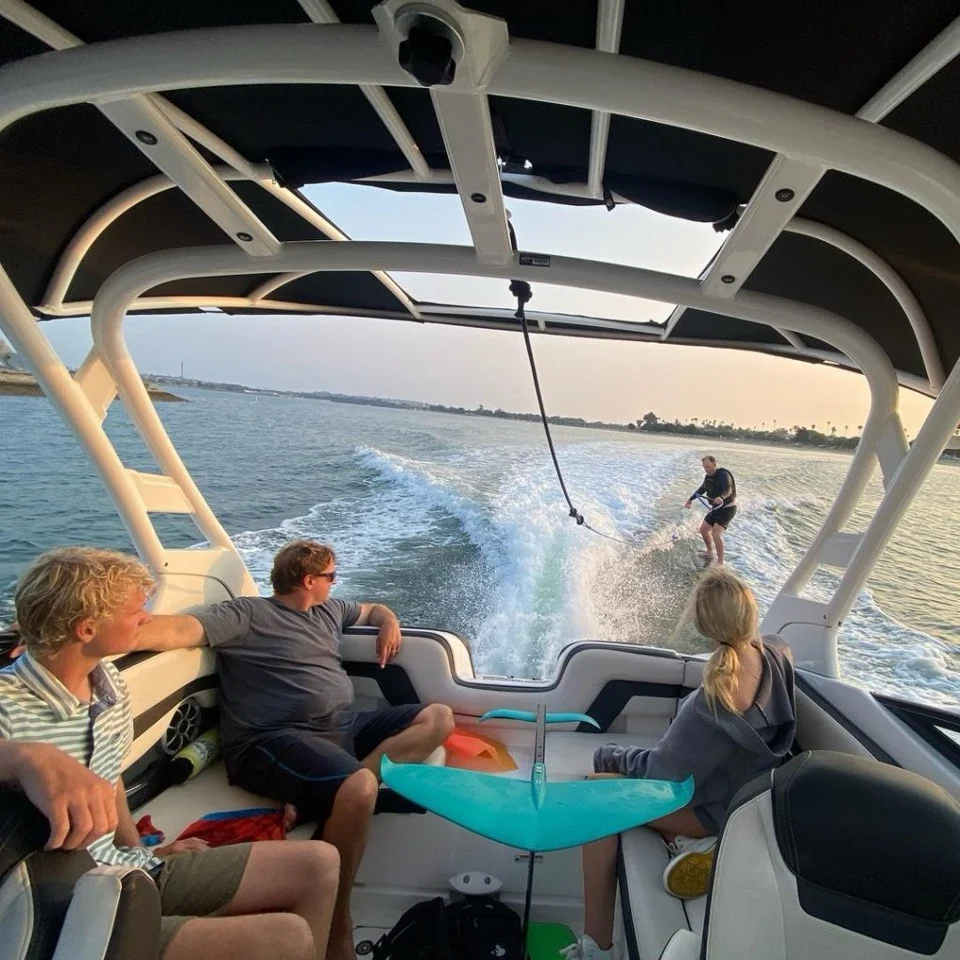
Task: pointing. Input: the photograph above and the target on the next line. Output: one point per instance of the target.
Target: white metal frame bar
(82, 405)
(80, 415)
(82, 308)
(491, 318)
(609, 25)
(147, 127)
(781, 192)
(929, 61)
(464, 119)
(891, 280)
(132, 280)
(258, 173)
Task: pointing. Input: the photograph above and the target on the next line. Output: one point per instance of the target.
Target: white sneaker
(687, 875)
(585, 949)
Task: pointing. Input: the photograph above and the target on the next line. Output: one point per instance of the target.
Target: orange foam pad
(472, 751)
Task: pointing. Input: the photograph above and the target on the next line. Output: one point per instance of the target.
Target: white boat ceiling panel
(61, 166)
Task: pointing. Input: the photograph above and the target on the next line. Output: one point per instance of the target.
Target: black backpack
(477, 928)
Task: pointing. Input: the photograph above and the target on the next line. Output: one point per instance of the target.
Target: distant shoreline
(647, 427)
(19, 383)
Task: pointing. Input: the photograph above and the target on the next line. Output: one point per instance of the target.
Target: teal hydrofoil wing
(536, 814)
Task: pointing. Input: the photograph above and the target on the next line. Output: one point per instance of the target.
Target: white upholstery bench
(650, 915)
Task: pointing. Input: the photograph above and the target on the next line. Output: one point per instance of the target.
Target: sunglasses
(332, 576)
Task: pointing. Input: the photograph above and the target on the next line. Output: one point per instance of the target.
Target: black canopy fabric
(57, 168)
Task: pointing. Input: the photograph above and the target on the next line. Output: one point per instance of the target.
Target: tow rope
(521, 290)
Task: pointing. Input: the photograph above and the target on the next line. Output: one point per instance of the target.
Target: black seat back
(35, 885)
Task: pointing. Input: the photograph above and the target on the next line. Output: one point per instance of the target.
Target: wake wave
(424, 488)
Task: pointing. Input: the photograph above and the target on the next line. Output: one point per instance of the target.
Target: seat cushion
(114, 915)
(650, 915)
(35, 884)
(177, 807)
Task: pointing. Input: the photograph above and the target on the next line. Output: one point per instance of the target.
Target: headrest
(874, 848)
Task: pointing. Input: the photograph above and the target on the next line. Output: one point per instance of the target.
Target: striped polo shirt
(35, 705)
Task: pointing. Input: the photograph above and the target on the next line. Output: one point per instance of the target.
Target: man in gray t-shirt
(280, 667)
(287, 725)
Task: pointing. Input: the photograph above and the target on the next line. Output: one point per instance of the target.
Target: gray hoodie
(722, 750)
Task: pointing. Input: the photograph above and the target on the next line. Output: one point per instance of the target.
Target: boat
(154, 158)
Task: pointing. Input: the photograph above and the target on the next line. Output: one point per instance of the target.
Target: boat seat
(58, 905)
(833, 856)
(650, 915)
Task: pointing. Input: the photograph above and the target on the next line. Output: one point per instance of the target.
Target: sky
(595, 379)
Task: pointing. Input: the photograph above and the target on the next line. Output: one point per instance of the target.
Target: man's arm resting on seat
(388, 639)
(166, 632)
(79, 805)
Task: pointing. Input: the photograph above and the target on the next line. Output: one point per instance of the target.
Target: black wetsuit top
(721, 484)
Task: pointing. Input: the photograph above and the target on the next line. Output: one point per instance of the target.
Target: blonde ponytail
(724, 610)
(721, 678)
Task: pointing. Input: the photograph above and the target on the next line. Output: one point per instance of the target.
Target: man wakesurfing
(720, 489)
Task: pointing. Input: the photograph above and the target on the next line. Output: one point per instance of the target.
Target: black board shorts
(720, 516)
(306, 767)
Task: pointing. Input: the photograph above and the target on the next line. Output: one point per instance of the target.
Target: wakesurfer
(720, 489)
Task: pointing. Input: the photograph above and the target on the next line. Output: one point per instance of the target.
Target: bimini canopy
(158, 140)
